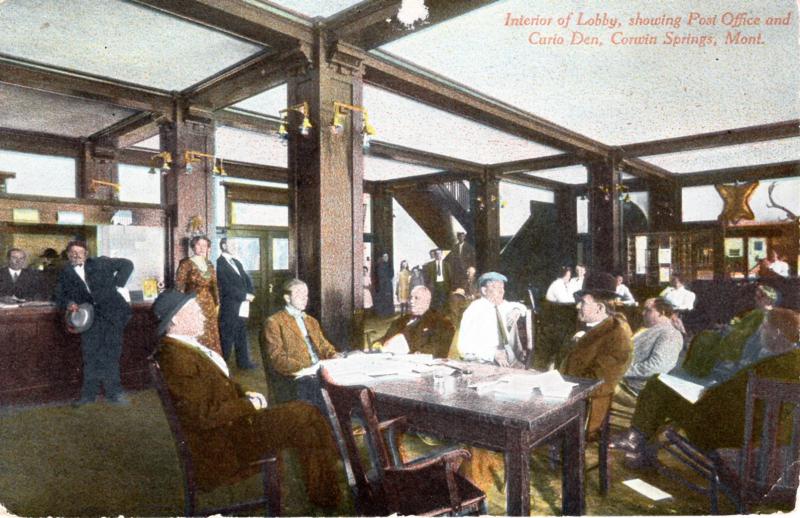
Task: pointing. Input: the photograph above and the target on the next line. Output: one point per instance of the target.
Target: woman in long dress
(367, 283)
(196, 273)
(403, 286)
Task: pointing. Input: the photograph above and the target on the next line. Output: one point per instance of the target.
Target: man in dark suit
(235, 294)
(424, 330)
(19, 281)
(438, 279)
(461, 257)
(99, 281)
(227, 427)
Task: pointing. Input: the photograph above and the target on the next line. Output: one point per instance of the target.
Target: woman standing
(367, 283)
(403, 286)
(196, 273)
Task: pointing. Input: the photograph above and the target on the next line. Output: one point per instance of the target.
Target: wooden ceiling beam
(246, 79)
(63, 82)
(740, 174)
(423, 158)
(409, 182)
(40, 143)
(127, 132)
(731, 137)
(369, 25)
(646, 170)
(261, 23)
(535, 181)
(535, 164)
(245, 120)
(234, 169)
(403, 78)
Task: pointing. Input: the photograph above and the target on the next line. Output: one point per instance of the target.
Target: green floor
(104, 460)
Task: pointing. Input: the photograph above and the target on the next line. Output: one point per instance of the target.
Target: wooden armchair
(428, 486)
(269, 465)
(766, 468)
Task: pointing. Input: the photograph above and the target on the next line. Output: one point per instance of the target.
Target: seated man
(656, 349)
(291, 341)
(227, 427)
(716, 419)
(603, 349)
(625, 295)
(488, 330)
(709, 347)
(424, 330)
(678, 295)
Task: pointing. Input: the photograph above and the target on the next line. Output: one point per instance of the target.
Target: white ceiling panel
(772, 151)
(119, 40)
(400, 120)
(574, 174)
(250, 147)
(31, 110)
(622, 93)
(312, 8)
(376, 169)
(270, 102)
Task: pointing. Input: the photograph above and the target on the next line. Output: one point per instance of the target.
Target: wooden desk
(512, 427)
(40, 362)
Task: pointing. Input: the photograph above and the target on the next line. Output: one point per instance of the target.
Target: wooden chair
(764, 470)
(427, 486)
(269, 465)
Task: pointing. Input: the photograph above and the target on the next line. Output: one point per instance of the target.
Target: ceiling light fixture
(411, 12)
(190, 157)
(340, 111)
(166, 160)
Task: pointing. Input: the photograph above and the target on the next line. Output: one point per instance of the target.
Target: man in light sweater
(656, 349)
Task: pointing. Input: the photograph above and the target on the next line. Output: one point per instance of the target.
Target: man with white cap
(488, 331)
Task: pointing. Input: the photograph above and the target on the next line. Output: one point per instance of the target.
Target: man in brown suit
(228, 428)
(424, 330)
(603, 349)
(291, 340)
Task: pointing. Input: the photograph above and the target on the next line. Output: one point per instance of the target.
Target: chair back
(769, 467)
(347, 403)
(181, 444)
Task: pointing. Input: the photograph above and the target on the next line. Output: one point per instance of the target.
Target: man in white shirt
(488, 331)
(625, 295)
(559, 291)
(676, 294)
(576, 282)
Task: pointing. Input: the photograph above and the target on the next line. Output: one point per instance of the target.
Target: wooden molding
(244, 120)
(535, 164)
(742, 174)
(423, 158)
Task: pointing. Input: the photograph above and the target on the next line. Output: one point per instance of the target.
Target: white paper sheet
(690, 389)
(648, 490)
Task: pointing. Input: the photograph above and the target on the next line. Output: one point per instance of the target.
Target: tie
(502, 334)
(438, 268)
(14, 277)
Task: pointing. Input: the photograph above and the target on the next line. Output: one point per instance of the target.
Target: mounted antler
(772, 205)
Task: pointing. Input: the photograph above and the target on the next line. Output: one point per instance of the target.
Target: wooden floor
(104, 460)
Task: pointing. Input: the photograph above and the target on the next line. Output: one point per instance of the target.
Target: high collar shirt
(478, 336)
(680, 298)
(81, 271)
(575, 285)
(560, 292)
(212, 355)
(14, 273)
(299, 317)
(228, 257)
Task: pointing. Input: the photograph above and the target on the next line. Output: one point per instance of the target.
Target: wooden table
(511, 427)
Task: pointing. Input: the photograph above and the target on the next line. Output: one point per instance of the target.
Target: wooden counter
(40, 362)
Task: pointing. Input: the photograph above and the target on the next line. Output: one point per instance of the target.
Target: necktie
(502, 334)
(15, 277)
(438, 268)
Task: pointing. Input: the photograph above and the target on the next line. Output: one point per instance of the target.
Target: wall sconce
(189, 157)
(305, 126)
(340, 111)
(95, 183)
(166, 161)
(481, 202)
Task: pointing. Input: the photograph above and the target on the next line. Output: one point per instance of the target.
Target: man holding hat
(488, 331)
(227, 427)
(602, 349)
(99, 282)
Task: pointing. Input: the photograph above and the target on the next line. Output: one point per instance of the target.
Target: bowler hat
(82, 319)
(167, 305)
(599, 285)
(49, 253)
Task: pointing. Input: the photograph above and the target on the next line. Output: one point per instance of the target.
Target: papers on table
(688, 387)
(648, 490)
(521, 386)
(363, 369)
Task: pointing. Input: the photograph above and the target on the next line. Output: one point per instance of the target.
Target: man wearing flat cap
(488, 331)
(602, 349)
(99, 281)
(227, 428)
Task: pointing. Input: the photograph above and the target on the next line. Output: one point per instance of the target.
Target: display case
(653, 257)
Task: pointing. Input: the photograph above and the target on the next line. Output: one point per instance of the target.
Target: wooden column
(382, 227)
(97, 164)
(666, 209)
(567, 215)
(188, 195)
(605, 217)
(326, 183)
(485, 203)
